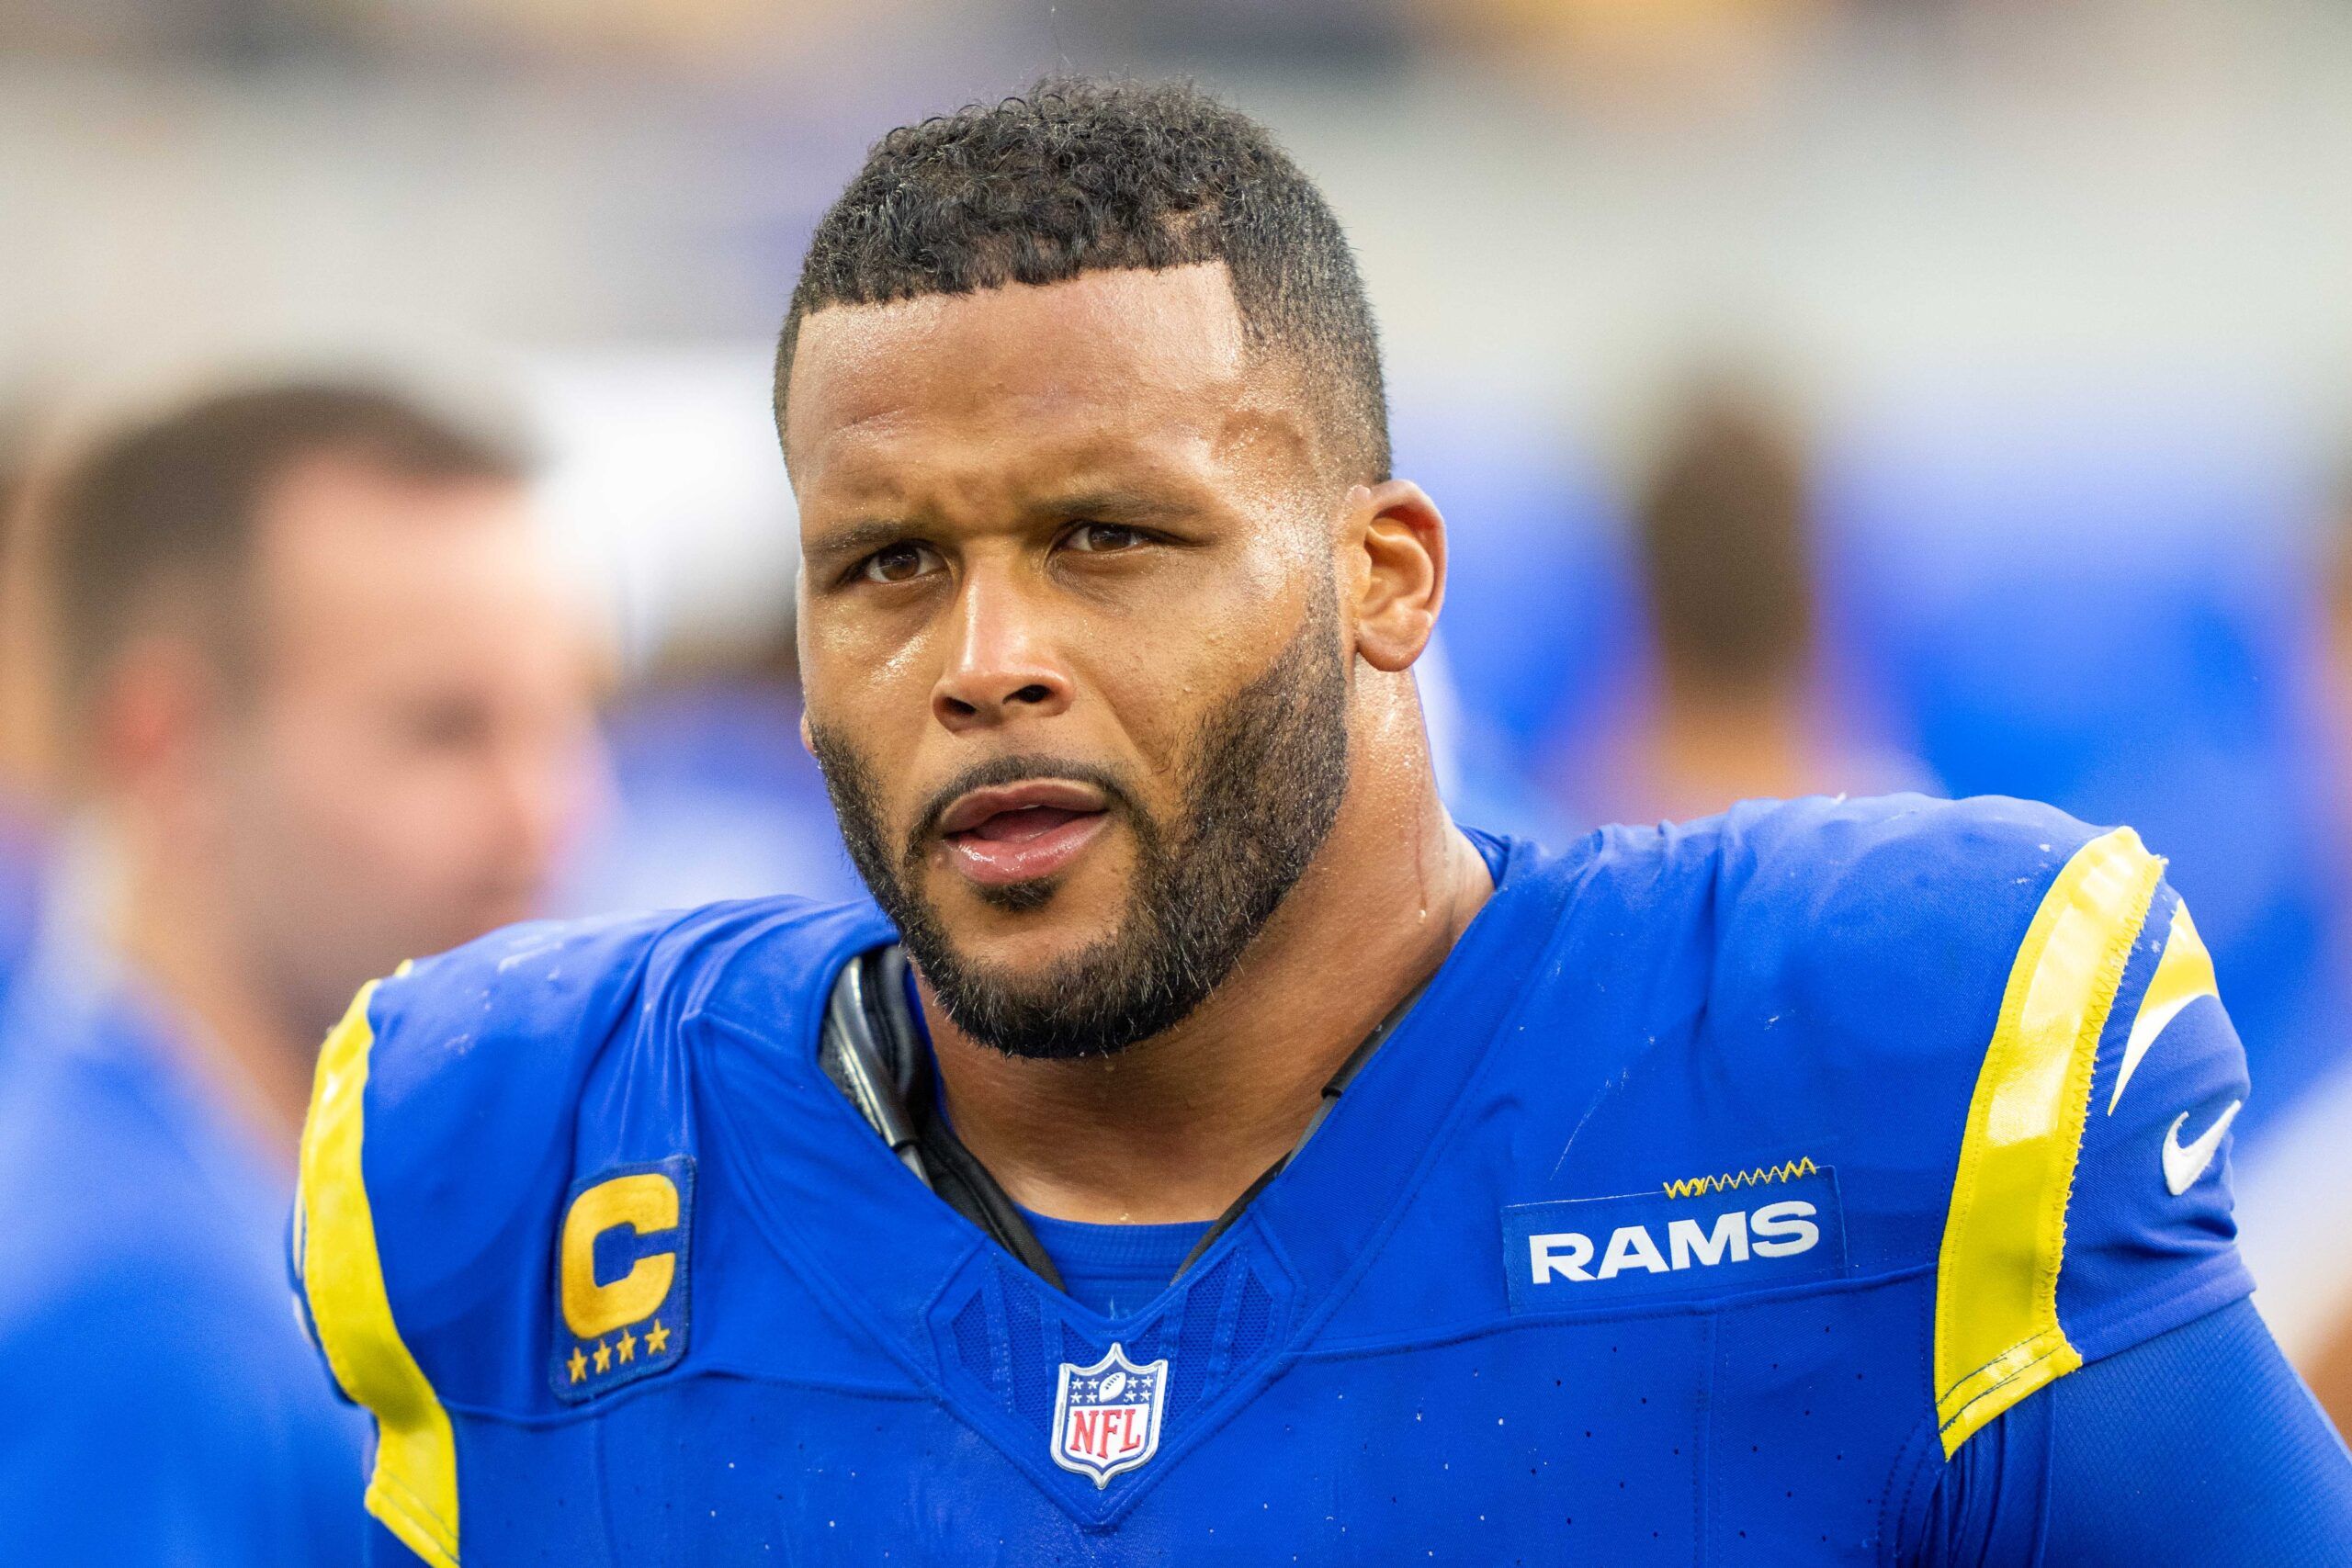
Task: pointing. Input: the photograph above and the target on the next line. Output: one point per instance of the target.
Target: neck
(1704, 747)
(232, 1040)
(1178, 1127)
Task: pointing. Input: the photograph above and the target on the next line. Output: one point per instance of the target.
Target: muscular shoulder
(2019, 1031)
(1994, 1023)
(454, 1110)
(1832, 948)
(1912, 884)
(467, 1068)
(1943, 981)
(1888, 929)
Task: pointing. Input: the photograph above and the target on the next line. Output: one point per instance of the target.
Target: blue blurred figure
(714, 796)
(319, 706)
(22, 844)
(2111, 609)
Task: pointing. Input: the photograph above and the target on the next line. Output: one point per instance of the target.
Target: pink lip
(1022, 832)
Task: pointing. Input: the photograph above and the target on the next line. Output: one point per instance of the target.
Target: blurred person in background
(321, 706)
(22, 854)
(1723, 528)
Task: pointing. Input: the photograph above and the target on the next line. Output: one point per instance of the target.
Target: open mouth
(1022, 832)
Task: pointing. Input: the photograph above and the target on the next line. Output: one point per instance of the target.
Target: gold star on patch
(604, 1356)
(628, 1346)
(578, 1364)
(657, 1339)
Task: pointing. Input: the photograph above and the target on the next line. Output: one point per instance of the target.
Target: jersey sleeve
(2150, 1236)
(2090, 1207)
(438, 1135)
(2198, 1446)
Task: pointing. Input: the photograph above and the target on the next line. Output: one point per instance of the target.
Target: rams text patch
(1596, 1252)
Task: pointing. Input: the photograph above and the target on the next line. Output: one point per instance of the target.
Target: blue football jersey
(1725, 1183)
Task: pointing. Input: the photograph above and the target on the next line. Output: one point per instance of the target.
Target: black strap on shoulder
(874, 1053)
(1331, 1092)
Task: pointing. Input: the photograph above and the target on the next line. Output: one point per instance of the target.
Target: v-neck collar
(891, 1255)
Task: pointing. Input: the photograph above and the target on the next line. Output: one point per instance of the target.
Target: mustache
(1016, 767)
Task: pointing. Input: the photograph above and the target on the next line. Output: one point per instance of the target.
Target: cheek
(385, 813)
(405, 825)
(1170, 675)
(874, 692)
(869, 641)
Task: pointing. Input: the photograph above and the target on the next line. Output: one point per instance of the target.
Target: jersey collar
(894, 1259)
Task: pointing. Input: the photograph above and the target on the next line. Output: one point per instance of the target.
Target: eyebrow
(1113, 506)
(1108, 505)
(858, 539)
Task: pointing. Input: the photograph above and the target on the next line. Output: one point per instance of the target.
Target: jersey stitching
(389, 1491)
(1912, 1456)
(1702, 1443)
(1394, 1345)
(2047, 1344)
(1733, 1181)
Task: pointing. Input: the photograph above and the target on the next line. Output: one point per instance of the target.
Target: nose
(1000, 665)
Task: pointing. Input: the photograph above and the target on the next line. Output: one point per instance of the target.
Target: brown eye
(898, 563)
(1103, 538)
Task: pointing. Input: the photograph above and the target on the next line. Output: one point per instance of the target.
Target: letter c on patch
(645, 1202)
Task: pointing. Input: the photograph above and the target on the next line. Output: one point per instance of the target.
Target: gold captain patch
(621, 1294)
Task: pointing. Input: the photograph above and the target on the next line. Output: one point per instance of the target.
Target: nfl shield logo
(1106, 1417)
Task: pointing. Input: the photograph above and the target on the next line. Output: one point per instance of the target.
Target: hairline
(1262, 346)
(215, 604)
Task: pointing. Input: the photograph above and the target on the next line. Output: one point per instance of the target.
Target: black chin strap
(874, 1053)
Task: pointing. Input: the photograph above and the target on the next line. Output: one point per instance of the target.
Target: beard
(1260, 784)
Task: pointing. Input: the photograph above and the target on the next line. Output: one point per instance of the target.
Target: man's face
(417, 743)
(1074, 662)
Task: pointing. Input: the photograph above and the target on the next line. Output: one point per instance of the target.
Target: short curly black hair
(1079, 175)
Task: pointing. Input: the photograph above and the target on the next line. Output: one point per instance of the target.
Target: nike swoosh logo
(2184, 1165)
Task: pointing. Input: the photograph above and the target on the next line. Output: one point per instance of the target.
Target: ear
(1399, 573)
(152, 720)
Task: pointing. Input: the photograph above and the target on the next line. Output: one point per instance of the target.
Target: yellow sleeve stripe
(1997, 1334)
(414, 1488)
(2184, 974)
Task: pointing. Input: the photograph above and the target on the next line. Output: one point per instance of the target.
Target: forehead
(343, 545)
(1106, 366)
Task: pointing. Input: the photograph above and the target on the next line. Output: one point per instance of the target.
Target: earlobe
(808, 736)
(1403, 540)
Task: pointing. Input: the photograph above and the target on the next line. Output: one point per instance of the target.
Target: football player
(1203, 1150)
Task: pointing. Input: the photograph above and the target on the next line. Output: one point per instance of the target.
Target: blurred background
(1842, 395)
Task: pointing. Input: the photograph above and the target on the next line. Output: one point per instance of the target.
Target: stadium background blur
(1847, 396)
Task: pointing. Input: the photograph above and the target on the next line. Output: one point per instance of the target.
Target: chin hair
(1020, 897)
(1083, 1004)
(1263, 781)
